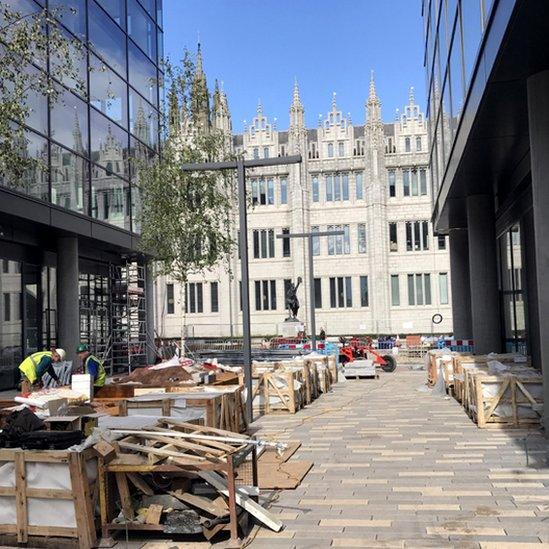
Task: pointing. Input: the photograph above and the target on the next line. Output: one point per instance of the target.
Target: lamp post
(240, 166)
(309, 236)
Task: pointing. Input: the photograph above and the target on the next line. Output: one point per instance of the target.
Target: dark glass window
(69, 179)
(116, 9)
(214, 297)
(110, 198)
(170, 302)
(286, 249)
(393, 238)
(107, 39)
(142, 74)
(108, 92)
(143, 120)
(72, 14)
(109, 145)
(364, 291)
(318, 293)
(142, 29)
(149, 6)
(37, 105)
(69, 122)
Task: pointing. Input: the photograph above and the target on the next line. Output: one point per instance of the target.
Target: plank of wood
(220, 484)
(202, 503)
(161, 452)
(154, 514)
(282, 476)
(21, 497)
(140, 483)
(184, 444)
(124, 492)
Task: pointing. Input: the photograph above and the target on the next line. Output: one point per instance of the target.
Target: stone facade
(355, 178)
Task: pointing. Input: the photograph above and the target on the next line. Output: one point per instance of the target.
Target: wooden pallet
(81, 494)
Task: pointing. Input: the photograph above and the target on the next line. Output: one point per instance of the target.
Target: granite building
(388, 273)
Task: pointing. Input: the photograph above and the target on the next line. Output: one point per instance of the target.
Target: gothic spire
(259, 108)
(200, 100)
(373, 104)
(334, 102)
(297, 118)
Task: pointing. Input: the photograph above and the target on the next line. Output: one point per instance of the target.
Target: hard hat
(82, 348)
(61, 353)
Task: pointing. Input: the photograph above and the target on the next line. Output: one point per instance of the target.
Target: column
(68, 310)
(461, 291)
(486, 322)
(538, 118)
(149, 296)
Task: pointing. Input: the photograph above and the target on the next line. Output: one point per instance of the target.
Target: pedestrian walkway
(396, 467)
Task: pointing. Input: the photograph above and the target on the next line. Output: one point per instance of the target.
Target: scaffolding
(95, 325)
(128, 316)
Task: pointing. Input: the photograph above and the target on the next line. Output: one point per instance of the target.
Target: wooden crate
(223, 410)
(518, 401)
(281, 385)
(80, 498)
(332, 367)
(462, 361)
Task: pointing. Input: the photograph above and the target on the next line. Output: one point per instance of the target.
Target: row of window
(263, 191)
(336, 187)
(414, 182)
(194, 297)
(417, 236)
(340, 293)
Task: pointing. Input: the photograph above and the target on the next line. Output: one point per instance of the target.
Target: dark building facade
(487, 66)
(69, 228)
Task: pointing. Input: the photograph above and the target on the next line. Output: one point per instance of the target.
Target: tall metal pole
(245, 281)
(312, 294)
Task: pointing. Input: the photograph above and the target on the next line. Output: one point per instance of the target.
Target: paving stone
(407, 472)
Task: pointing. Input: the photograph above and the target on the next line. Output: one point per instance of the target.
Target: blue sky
(258, 47)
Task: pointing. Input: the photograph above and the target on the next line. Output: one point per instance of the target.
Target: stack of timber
(177, 477)
(499, 390)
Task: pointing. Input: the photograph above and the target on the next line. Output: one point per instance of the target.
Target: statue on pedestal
(292, 302)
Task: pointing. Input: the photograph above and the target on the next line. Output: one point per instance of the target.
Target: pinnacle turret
(297, 112)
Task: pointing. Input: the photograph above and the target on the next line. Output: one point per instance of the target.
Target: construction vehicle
(363, 349)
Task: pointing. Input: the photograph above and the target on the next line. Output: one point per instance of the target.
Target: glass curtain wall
(85, 142)
(511, 287)
(454, 30)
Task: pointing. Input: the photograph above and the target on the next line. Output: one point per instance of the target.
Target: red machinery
(355, 348)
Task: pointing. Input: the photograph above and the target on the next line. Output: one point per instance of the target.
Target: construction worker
(36, 365)
(92, 365)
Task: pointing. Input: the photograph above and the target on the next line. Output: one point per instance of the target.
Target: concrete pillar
(149, 296)
(538, 118)
(486, 322)
(68, 310)
(461, 290)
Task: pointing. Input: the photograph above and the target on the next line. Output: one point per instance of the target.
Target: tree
(30, 41)
(186, 217)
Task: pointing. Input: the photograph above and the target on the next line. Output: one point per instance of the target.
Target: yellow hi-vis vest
(99, 381)
(29, 365)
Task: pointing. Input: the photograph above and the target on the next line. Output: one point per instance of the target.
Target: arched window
(418, 143)
(330, 150)
(407, 145)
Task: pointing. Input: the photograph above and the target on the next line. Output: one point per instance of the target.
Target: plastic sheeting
(42, 512)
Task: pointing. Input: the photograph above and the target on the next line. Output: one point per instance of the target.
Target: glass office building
(73, 220)
(487, 69)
